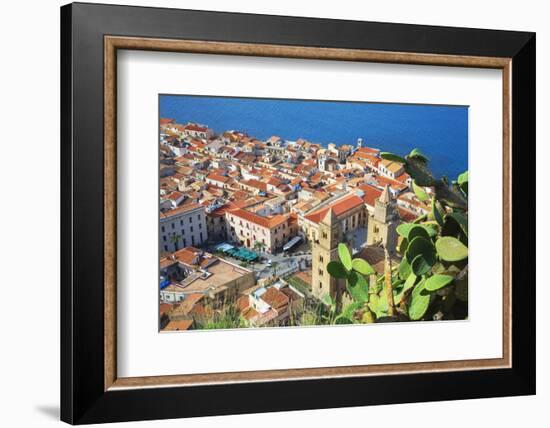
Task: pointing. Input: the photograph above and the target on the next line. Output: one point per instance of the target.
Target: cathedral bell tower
(383, 223)
(324, 250)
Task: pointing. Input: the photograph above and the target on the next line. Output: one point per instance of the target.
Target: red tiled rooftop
(217, 177)
(403, 177)
(178, 325)
(369, 150)
(371, 194)
(275, 298)
(249, 313)
(242, 303)
(390, 182)
(165, 262)
(257, 184)
(406, 215)
(339, 207)
(174, 196)
(195, 127)
(274, 181)
(220, 212)
(268, 222)
(181, 209)
(187, 304)
(188, 255)
(164, 308)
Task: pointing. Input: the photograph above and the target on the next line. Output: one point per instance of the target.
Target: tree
(259, 246)
(174, 239)
(274, 268)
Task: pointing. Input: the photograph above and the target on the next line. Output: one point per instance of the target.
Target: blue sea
(440, 132)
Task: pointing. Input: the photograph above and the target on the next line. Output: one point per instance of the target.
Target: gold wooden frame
(113, 43)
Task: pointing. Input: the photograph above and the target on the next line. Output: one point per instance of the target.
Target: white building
(182, 227)
(197, 131)
(390, 168)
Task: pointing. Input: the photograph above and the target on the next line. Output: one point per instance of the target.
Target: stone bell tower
(383, 223)
(324, 250)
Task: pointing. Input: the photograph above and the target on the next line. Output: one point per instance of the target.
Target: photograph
(294, 213)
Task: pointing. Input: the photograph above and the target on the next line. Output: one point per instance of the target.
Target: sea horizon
(440, 132)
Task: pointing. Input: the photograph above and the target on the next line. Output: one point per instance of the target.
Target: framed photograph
(275, 213)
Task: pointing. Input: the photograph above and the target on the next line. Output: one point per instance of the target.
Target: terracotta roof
(174, 196)
(195, 127)
(219, 212)
(369, 150)
(339, 208)
(187, 304)
(164, 308)
(367, 157)
(371, 194)
(392, 183)
(198, 143)
(249, 313)
(188, 255)
(217, 177)
(403, 177)
(165, 262)
(268, 222)
(274, 181)
(166, 121)
(275, 298)
(180, 210)
(242, 303)
(256, 184)
(178, 325)
(406, 215)
(391, 165)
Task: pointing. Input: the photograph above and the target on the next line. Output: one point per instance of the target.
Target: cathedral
(381, 236)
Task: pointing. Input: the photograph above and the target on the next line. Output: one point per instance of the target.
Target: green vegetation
(298, 283)
(174, 239)
(431, 281)
(259, 246)
(229, 317)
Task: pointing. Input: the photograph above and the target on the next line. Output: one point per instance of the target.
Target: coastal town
(247, 226)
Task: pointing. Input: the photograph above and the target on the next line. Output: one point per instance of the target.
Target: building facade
(253, 231)
(182, 227)
(390, 168)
